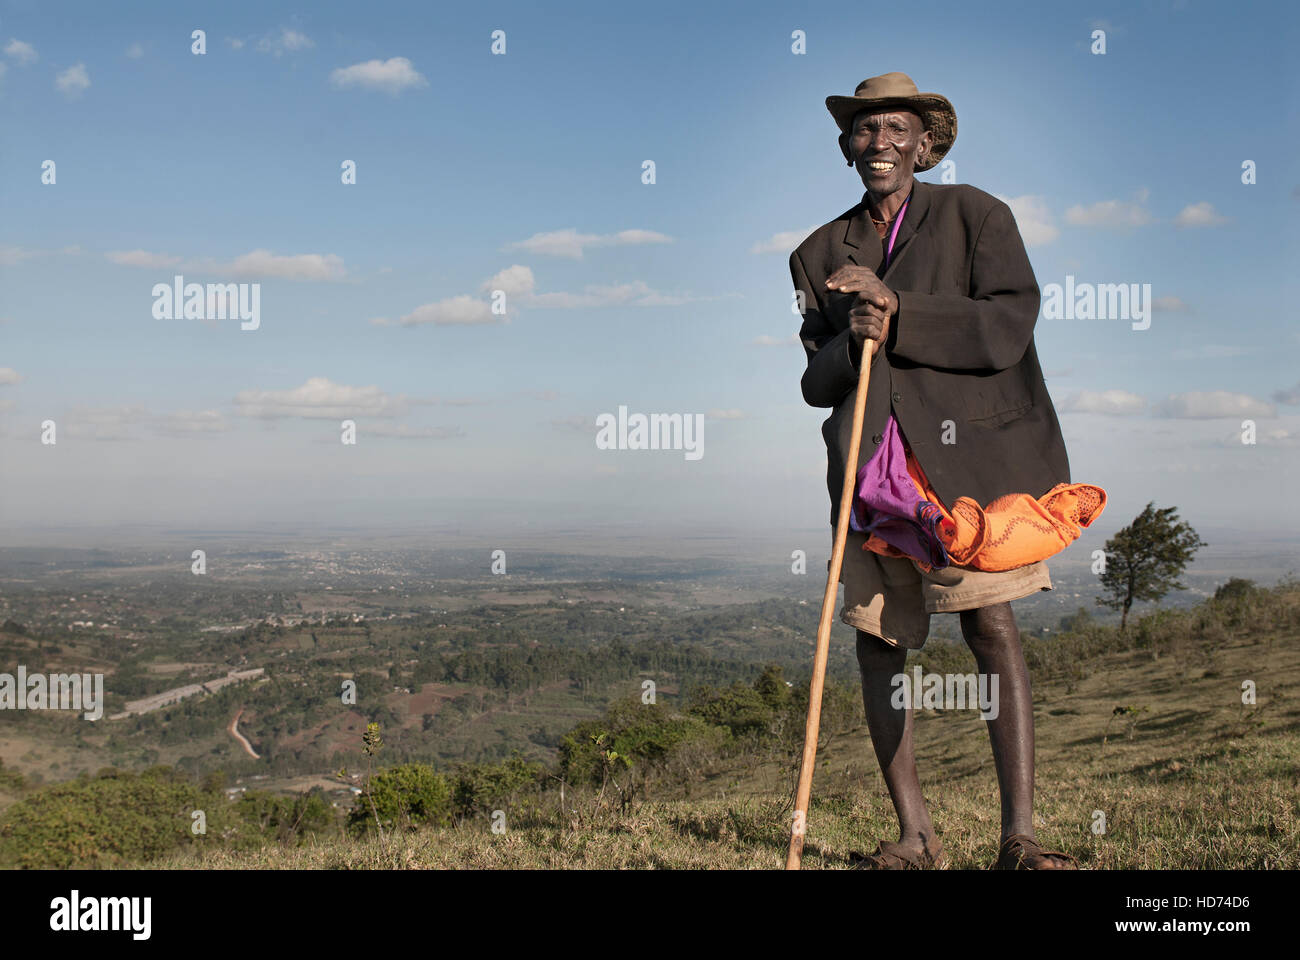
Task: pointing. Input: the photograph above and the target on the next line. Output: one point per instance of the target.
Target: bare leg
(994, 639)
(891, 735)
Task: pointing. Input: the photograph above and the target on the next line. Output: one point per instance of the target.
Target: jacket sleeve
(991, 328)
(831, 372)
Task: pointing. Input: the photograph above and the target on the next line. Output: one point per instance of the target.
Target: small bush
(480, 788)
(408, 795)
(739, 708)
(645, 733)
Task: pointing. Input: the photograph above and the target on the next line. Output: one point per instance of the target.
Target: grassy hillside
(1151, 732)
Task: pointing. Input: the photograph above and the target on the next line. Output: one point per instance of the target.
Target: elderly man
(937, 279)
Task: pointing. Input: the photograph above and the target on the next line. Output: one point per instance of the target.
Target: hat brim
(936, 113)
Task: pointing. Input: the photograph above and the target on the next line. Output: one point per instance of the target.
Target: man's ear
(926, 141)
(844, 147)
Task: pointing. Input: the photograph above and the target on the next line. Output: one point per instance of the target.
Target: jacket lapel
(917, 207)
(862, 243)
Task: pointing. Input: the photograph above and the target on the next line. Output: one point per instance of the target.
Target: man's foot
(1021, 852)
(899, 856)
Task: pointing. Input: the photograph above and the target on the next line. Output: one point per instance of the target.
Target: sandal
(1019, 852)
(895, 856)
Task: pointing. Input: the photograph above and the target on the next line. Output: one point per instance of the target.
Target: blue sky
(670, 297)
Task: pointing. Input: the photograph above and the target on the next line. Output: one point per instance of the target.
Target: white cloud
(188, 423)
(1208, 405)
(515, 280)
(570, 243)
(1109, 214)
(1276, 437)
(1268, 435)
(390, 76)
(631, 237)
(319, 399)
(103, 423)
(141, 258)
(256, 264)
(764, 340)
(1033, 218)
(1109, 402)
(783, 242)
(12, 255)
(24, 53)
(1200, 214)
(519, 283)
(286, 41)
(9, 376)
(635, 294)
(303, 266)
(73, 81)
(454, 311)
(134, 52)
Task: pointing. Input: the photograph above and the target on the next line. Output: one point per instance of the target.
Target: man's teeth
(880, 165)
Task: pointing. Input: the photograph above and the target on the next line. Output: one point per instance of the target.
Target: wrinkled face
(885, 145)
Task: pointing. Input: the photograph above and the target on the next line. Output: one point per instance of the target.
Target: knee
(875, 655)
(989, 630)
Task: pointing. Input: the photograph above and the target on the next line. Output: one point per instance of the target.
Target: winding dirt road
(233, 729)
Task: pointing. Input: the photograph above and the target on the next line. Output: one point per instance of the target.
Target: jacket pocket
(996, 398)
(999, 417)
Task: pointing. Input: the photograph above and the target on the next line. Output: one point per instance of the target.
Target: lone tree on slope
(1146, 558)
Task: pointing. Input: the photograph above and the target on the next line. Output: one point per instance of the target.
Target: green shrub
(480, 788)
(117, 818)
(288, 819)
(11, 780)
(107, 821)
(773, 688)
(645, 733)
(1237, 588)
(407, 795)
(739, 708)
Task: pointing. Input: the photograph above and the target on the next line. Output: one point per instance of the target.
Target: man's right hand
(874, 305)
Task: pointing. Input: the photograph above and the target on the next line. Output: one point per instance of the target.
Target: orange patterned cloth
(1013, 531)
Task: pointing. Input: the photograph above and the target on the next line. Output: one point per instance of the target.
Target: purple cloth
(888, 504)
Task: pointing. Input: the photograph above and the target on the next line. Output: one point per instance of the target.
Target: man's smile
(881, 166)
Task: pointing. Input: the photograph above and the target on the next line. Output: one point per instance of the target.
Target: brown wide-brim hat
(897, 89)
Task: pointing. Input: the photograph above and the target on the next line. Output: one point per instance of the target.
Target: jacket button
(877, 439)
(897, 398)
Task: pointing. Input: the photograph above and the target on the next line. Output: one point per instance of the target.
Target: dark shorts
(893, 598)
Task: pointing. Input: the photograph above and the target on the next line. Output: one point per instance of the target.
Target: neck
(886, 206)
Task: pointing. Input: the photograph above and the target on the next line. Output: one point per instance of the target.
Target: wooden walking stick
(794, 858)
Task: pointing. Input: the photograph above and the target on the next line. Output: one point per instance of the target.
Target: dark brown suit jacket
(959, 364)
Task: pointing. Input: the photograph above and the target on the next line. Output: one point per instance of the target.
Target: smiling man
(937, 279)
